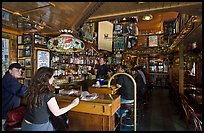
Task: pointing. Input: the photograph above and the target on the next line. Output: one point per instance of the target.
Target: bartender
(103, 71)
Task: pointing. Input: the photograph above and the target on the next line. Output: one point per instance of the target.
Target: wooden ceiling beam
(10, 30)
(168, 7)
(87, 12)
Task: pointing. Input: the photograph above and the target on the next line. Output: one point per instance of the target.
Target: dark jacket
(102, 71)
(12, 91)
(127, 89)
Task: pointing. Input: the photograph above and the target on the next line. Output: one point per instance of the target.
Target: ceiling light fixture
(66, 42)
(147, 17)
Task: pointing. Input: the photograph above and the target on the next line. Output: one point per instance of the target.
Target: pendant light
(66, 42)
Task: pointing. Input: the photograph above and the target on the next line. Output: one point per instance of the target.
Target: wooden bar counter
(95, 115)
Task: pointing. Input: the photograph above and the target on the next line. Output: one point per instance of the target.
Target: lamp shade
(66, 43)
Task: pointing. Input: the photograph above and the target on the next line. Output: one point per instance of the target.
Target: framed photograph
(28, 51)
(27, 39)
(19, 39)
(131, 41)
(118, 29)
(20, 53)
(28, 62)
(28, 73)
(153, 41)
(43, 58)
(21, 62)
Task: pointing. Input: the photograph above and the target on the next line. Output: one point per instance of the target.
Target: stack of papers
(86, 96)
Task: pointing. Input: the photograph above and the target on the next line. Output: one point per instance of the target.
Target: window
(5, 55)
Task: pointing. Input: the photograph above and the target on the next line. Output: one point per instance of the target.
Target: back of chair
(184, 105)
(197, 123)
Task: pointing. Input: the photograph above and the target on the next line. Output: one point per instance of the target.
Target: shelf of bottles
(158, 71)
(75, 65)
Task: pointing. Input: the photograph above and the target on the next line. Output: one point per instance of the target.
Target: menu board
(43, 58)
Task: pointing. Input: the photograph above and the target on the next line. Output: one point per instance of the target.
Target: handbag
(15, 116)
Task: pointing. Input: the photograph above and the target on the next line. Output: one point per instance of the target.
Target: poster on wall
(43, 58)
(153, 41)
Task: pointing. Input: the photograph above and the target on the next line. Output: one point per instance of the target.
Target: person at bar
(103, 71)
(41, 102)
(12, 90)
(125, 89)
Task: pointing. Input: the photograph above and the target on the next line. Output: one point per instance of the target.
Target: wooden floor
(160, 114)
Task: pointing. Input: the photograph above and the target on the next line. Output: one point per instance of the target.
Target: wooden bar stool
(127, 120)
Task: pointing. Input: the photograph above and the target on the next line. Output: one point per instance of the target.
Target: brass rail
(135, 94)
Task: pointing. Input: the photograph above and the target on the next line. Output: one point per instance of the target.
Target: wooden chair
(196, 122)
(184, 105)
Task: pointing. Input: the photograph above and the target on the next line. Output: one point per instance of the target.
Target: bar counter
(95, 115)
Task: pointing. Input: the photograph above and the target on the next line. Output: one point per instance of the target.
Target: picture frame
(20, 53)
(21, 62)
(131, 41)
(153, 41)
(19, 39)
(28, 51)
(28, 62)
(28, 73)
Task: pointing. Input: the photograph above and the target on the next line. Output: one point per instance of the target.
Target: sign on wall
(43, 58)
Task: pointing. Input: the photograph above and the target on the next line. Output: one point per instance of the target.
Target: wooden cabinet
(95, 115)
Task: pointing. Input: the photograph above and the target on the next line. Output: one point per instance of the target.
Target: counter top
(103, 105)
(102, 90)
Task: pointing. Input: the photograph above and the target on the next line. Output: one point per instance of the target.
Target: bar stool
(16, 127)
(128, 119)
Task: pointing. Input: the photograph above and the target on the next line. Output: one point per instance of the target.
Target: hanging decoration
(66, 42)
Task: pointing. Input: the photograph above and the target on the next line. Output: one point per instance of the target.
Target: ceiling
(72, 15)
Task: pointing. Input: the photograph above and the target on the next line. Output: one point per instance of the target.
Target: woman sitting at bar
(41, 102)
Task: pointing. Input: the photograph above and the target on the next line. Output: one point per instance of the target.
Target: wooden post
(181, 69)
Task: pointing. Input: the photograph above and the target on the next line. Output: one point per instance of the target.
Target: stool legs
(127, 121)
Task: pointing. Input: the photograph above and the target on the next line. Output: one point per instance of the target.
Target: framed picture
(153, 41)
(27, 39)
(19, 39)
(28, 62)
(28, 73)
(43, 58)
(27, 50)
(131, 41)
(21, 62)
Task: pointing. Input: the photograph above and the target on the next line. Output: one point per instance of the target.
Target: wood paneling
(74, 14)
(95, 115)
(99, 106)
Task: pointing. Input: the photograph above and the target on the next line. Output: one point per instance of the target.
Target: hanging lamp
(66, 42)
